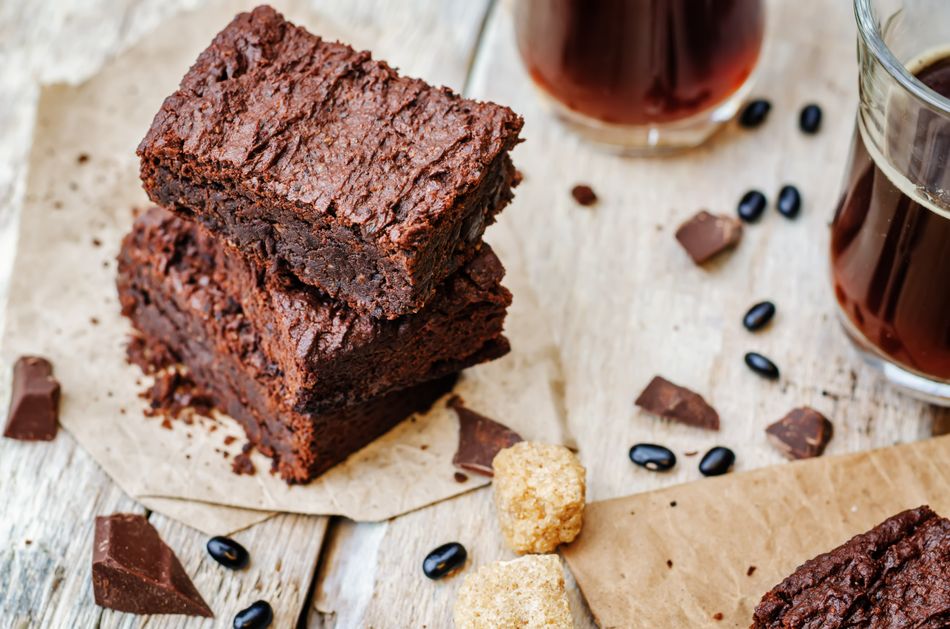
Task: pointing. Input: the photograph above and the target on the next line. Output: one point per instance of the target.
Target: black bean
(758, 315)
(755, 113)
(258, 616)
(789, 201)
(810, 119)
(653, 457)
(751, 206)
(444, 559)
(227, 552)
(717, 461)
(762, 365)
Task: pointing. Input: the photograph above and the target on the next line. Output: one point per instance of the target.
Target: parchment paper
(82, 186)
(773, 518)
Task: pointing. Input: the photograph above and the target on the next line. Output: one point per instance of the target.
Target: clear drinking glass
(642, 75)
(890, 241)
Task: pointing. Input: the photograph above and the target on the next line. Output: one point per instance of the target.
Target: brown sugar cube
(539, 495)
(526, 593)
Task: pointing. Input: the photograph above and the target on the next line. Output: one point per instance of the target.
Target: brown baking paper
(773, 518)
(82, 186)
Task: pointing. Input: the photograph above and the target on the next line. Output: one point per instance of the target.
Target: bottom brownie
(302, 445)
(895, 575)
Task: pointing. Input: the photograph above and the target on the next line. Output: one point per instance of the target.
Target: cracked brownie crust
(372, 186)
(894, 576)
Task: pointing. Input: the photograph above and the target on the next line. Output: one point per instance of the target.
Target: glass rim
(871, 34)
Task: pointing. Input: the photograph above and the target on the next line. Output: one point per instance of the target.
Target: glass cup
(890, 239)
(642, 75)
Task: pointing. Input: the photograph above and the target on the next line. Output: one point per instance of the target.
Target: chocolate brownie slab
(315, 354)
(895, 575)
(302, 445)
(371, 186)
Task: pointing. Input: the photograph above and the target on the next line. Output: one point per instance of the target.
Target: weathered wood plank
(50, 494)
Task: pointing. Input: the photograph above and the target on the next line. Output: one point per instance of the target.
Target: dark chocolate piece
(133, 570)
(663, 398)
(895, 575)
(371, 186)
(706, 235)
(801, 434)
(480, 439)
(34, 401)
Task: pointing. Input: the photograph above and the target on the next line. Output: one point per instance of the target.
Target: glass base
(907, 381)
(661, 138)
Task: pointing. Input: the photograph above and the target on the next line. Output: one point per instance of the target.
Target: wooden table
(624, 302)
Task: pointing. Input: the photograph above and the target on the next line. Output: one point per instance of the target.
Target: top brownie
(371, 186)
(895, 575)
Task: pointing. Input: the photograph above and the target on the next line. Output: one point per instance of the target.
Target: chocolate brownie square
(315, 354)
(895, 575)
(371, 186)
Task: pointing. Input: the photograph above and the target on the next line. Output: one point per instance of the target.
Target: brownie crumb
(93, 320)
(96, 242)
(460, 477)
(167, 424)
(229, 440)
(750, 571)
(584, 195)
(669, 563)
(718, 616)
(672, 503)
(82, 158)
(242, 463)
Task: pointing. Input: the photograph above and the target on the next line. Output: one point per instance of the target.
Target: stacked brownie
(317, 262)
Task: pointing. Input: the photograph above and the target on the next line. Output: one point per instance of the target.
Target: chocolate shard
(134, 571)
(803, 433)
(706, 235)
(663, 398)
(480, 439)
(34, 401)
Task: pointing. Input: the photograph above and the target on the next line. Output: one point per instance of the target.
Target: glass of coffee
(890, 239)
(642, 75)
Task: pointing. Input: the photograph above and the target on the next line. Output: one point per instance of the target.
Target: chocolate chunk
(480, 439)
(672, 401)
(584, 195)
(133, 570)
(801, 434)
(705, 235)
(34, 401)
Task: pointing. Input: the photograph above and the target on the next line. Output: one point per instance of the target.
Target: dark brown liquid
(640, 61)
(891, 255)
